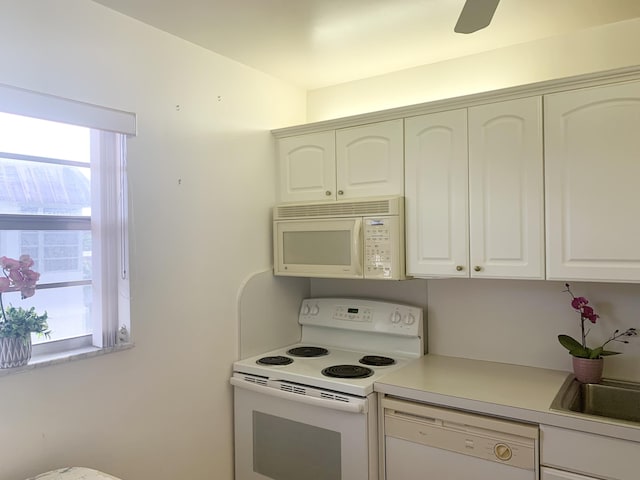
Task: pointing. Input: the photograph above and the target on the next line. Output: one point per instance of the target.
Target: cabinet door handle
(340, 192)
(459, 268)
(477, 268)
(328, 193)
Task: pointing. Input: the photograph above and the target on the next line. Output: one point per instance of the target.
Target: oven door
(288, 436)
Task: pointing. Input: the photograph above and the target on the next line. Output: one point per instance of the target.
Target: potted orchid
(587, 361)
(17, 324)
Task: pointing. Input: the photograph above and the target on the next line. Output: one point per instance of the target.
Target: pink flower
(25, 261)
(589, 314)
(18, 275)
(9, 263)
(579, 302)
(31, 277)
(27, 292)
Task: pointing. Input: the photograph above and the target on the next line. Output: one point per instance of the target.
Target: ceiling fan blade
(475, 15)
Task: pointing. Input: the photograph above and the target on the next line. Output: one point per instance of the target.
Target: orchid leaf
(569, 343)
(596, 352)
(575, 348)
(605, 353)
(580, 353)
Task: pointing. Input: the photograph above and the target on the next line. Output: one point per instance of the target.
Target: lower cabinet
(553, 474)
(572, 455)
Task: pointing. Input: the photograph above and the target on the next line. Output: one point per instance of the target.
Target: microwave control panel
(382, 255)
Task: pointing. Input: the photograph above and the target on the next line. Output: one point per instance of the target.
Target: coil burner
(275, 360)
(306, 351)
(377, 361)
(347, 371)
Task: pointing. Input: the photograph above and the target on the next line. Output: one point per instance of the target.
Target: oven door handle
(358, 407)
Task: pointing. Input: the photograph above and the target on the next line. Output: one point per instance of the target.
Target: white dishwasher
(422, 442)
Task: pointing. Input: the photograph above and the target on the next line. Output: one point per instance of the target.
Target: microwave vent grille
(337, 209)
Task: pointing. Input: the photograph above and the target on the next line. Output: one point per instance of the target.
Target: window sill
(45, 360)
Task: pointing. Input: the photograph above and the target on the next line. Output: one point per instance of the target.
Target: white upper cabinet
(474, 192)
(506, 194)
(592, 168)
(436, 200)
(355, 162)
(307, 167)
(370, 160)
(539, 187)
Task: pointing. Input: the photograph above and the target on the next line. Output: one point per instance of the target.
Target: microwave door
(330, 248)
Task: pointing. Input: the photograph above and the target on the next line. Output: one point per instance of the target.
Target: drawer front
(553, 474)
(603, 457)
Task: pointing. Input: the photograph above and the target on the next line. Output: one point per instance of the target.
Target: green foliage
(577, 350)
(18, 323)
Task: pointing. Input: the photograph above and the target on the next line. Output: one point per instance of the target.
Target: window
(63, 202)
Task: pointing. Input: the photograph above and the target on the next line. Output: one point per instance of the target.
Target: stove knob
(409, 319)
(396, 317)
(306, 309)
(315, 309)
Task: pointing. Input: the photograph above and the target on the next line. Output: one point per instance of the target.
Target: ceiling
(316, 43)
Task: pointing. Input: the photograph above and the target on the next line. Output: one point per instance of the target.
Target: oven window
(288, 450)
(332, 247)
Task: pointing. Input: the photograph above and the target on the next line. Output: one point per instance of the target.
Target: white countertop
(504, 390)
(74, 473)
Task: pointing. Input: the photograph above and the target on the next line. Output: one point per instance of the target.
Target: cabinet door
(592, 167)
(370, 160)
(506, 195)
(590, 454)
(307, 167)
(436, 172)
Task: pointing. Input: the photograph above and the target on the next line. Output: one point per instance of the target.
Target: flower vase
(588, 370)
(15, 352)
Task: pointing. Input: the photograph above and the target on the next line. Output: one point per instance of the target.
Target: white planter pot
(15, 352)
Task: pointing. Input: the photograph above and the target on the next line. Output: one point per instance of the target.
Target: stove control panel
(362, 315)
(353, 314)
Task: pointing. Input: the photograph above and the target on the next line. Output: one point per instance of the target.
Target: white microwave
(343, 239)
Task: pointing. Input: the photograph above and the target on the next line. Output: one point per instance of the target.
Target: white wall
(510, 321)
(201, 185)
(592, 50)
(268, 308)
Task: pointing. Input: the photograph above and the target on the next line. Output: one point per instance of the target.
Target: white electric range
(308, 410)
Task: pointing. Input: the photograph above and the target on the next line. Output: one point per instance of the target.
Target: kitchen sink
(610, 398)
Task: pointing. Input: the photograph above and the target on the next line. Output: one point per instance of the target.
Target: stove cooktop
(361, 369)
(346, 345)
